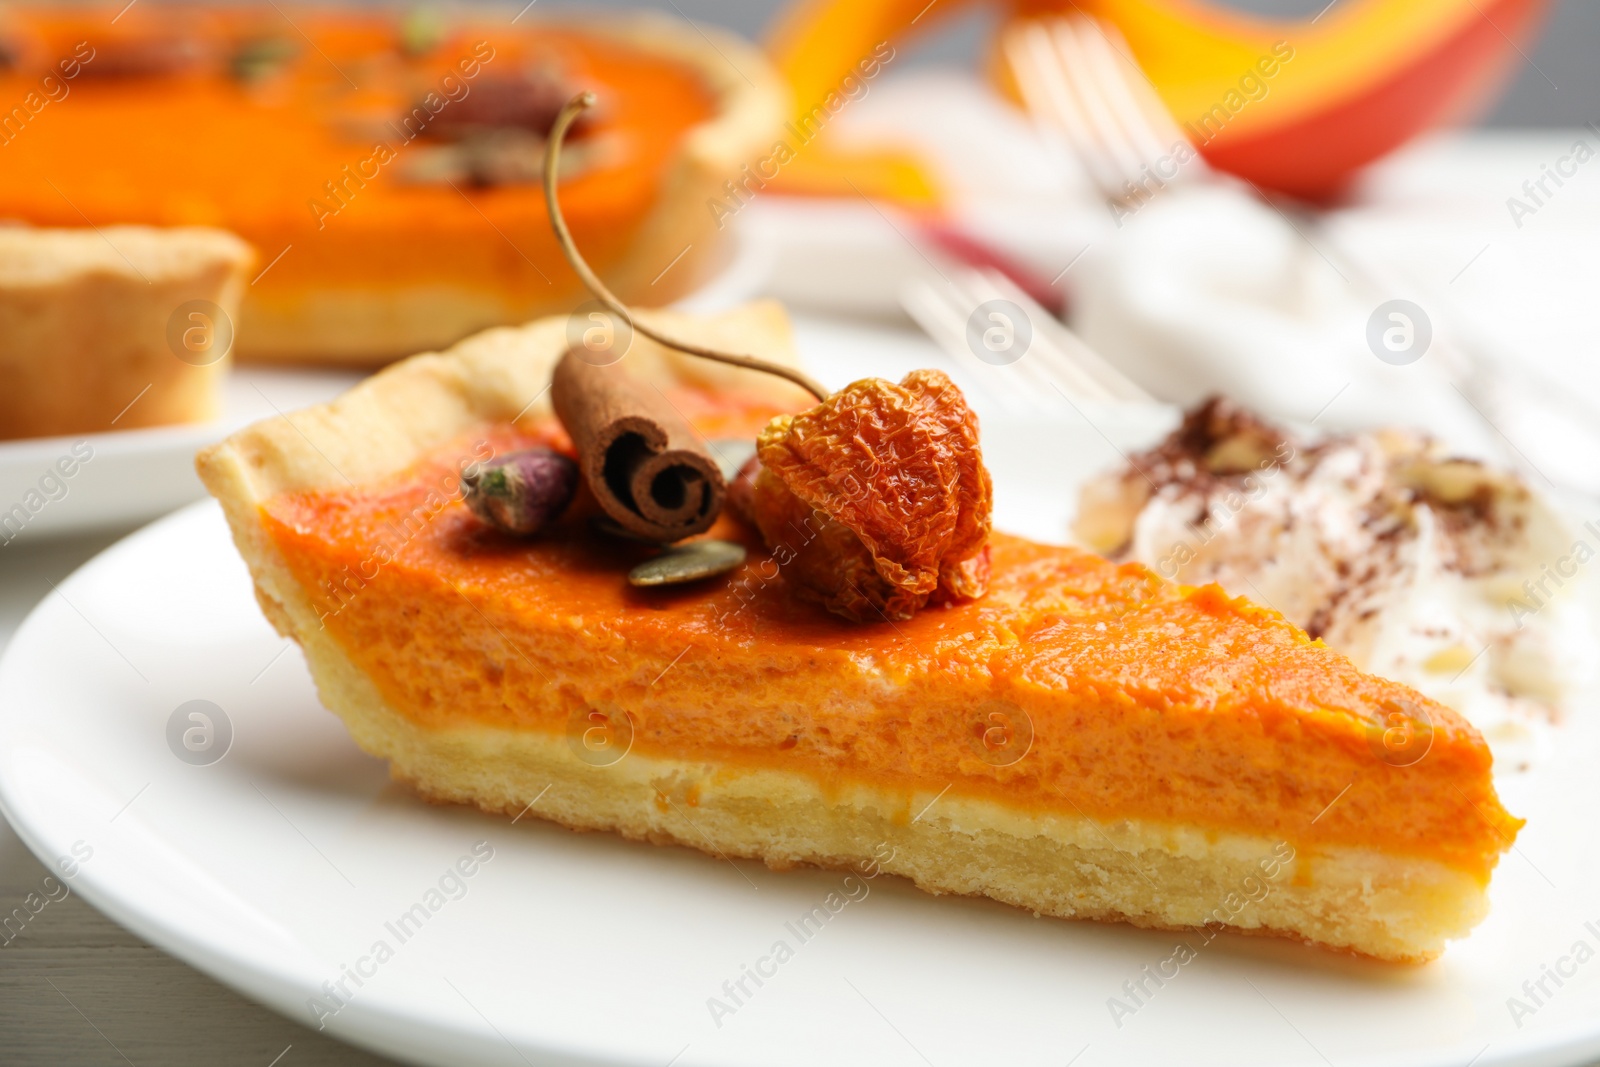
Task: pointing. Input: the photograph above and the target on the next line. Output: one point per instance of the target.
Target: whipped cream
(1441, 573)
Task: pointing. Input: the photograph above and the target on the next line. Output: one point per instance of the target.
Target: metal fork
(1022, 356)
(1091, 100)
(1048, 360)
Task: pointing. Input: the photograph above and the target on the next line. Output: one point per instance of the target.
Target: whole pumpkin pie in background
(114, 329)
(385, 166)
(1082, 739)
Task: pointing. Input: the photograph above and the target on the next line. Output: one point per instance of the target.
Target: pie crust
(115, 328)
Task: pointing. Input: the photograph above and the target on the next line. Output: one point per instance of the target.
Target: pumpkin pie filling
(1075, 687)
(256, 148)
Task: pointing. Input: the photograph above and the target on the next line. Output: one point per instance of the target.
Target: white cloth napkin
(1206, 289)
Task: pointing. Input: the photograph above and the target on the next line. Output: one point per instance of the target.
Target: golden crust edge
(387, 422)
(70, 372)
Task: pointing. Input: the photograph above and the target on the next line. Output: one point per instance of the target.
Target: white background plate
(280, 863)
(134, 475)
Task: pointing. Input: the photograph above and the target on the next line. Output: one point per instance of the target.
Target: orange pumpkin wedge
(1361, 78)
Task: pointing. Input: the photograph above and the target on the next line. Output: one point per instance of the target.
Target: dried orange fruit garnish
(876, 500)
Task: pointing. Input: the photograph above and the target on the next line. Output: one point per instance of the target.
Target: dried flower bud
(521, 492)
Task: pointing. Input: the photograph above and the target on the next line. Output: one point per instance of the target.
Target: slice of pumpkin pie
(1021, 721)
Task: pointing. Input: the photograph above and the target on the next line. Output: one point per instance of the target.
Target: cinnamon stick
(643, 462)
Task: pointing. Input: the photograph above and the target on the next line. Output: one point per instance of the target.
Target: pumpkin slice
(1084, 740)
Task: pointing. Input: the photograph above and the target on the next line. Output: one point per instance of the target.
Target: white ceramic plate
(66, 485)
(292, 856)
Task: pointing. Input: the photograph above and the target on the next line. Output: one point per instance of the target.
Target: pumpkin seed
(689, 562)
